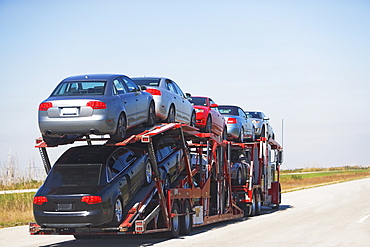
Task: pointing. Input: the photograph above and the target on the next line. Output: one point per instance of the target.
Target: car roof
(89, 77)
(86, 154)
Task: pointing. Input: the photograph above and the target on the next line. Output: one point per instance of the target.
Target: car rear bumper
(70, 219)
(78, 125)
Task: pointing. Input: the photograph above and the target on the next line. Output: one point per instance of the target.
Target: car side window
(114, 167)
(179, 91)
(241, 113)
(170, 86)
(125, 156)
(165, 147)
(119, 88)
(132, 87)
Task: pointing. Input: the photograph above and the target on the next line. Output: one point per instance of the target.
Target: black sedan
(90, 186)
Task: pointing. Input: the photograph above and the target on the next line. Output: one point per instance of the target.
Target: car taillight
(153, 91)
(91, 199)
(45, 106)
(97, 105)
(39, 200)
(231, 120)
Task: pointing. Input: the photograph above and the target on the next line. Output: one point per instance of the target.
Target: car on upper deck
(94, 104)
(208, 118)
(239, 126)
(172, 105)
(262, 125)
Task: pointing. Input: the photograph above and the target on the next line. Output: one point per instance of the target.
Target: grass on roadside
(16, 209)
(21, 185)
(325, 176)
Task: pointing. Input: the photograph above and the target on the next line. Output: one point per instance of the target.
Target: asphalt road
(333, 215)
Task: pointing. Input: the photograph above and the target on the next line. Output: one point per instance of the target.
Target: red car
(208, 118)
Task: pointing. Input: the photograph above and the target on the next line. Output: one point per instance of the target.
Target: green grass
(16, 209)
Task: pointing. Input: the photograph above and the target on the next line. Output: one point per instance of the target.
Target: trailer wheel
(175, 223)
(117, 213)
(258, 204)
(245, 207)
(186, 221)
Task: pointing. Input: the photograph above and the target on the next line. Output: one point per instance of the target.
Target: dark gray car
(95, 104)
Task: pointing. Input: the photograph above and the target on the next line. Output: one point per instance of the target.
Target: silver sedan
(94, 104)
(172, 105)
(261, 124)
(239, 126)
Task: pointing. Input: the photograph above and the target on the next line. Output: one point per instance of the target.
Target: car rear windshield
(147, 82)
(228, 110)
(198, 101)
(67, 175)
(79, 88)
(252, 114)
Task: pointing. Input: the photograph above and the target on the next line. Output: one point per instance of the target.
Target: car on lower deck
(94, 104)
(172, 105)
(239, 127)
(90, 186)
(208, 118)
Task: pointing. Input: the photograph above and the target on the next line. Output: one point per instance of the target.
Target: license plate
(69, 111)
(65, 207)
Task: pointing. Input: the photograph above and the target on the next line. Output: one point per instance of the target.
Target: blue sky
(306, 62)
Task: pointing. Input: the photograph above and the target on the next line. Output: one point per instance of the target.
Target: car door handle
(125, 101)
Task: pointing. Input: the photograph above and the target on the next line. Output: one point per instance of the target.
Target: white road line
(364, 218)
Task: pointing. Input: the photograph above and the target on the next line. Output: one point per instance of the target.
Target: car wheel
(193, 119)
(253, 135)
(241, 135)
(171, 115)
(148, 173)
(175, 223)
(224, 134)
(121, 129)
(117, 213)
(151, 116)
(186, 221)
(208, 128)
(239, 178)
(166, 184)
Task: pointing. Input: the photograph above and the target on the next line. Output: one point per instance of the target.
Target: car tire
(241, 135)
(193, 119)
(151, 116)
(121, 129)
(175, 221)
(171, 118)
(117, 212)
(148, 172)
(186, 221)
(208, 127)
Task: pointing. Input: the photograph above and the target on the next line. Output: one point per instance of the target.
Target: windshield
(198, 101)
(147, 82)
(67, 175)
(79, 88)
(253, 114)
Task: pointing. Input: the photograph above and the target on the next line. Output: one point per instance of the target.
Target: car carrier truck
(206, 191)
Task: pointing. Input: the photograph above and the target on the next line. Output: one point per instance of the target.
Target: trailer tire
(186, 221)
(245, 207)
(258, 203)
(175, 222)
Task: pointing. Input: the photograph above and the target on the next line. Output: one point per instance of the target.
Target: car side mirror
(143, 87)
(266, 118)
(213, 105)
(188, 95)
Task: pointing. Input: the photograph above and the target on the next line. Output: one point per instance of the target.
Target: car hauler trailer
(203, 194)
